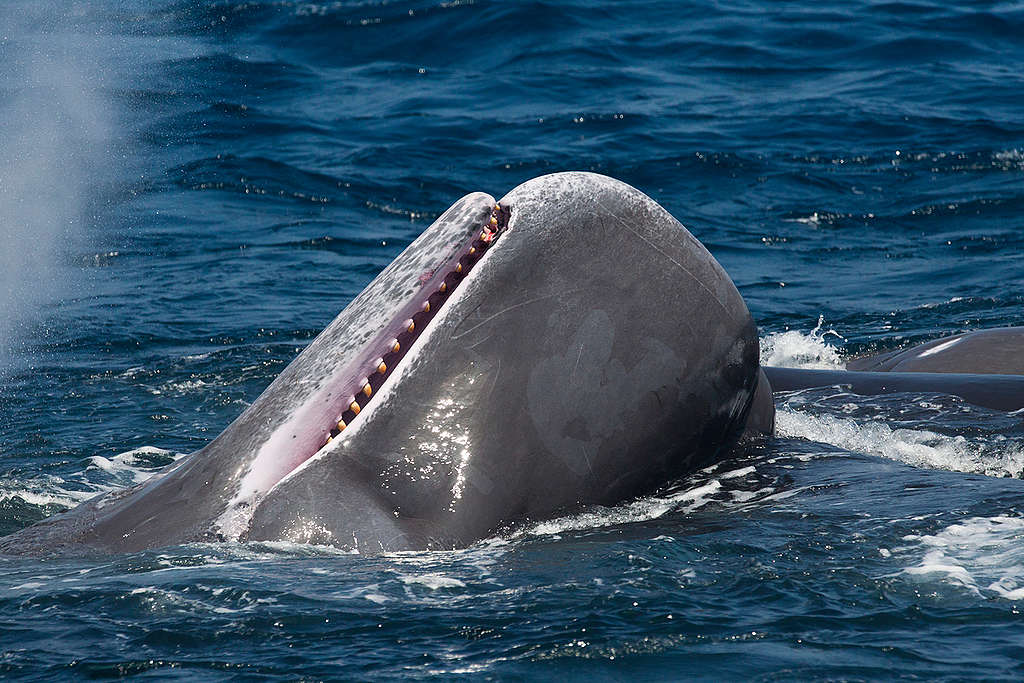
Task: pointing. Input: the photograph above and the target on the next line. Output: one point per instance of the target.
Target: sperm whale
(569, 344)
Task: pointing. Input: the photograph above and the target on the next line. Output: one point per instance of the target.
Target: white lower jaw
(384, 394)
(258, 483)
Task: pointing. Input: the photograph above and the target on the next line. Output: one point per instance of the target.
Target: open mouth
(333, 407)
(410, 323)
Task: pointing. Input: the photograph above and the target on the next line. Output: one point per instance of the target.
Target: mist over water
(54, 151)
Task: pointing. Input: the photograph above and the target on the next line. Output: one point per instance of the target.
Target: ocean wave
(45, 492)
(988, 455)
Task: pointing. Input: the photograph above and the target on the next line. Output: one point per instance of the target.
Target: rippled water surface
(191, 191)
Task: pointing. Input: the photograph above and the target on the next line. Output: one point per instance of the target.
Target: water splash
(101, 475)
(795, 349)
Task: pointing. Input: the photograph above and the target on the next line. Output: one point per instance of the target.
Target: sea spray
(795, 349)
(56, 123)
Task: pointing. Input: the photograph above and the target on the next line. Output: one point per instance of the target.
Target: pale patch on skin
(940, 348)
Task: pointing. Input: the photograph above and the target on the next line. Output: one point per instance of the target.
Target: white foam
(101, 475)
(985, 555)
(43, 498)
(291, 548)
(641, 510)
(129, 465)
(1011, 158)
(998, 457)
(795, 349)
(741, 472)
(31, 585)
(432, 581)
(814, 219)
(189, 386)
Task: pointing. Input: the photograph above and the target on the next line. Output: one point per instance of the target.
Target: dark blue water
(190, 192)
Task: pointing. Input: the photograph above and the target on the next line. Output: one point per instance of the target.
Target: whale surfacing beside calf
(570, 344)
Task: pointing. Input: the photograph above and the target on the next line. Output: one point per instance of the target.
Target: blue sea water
(190, 191)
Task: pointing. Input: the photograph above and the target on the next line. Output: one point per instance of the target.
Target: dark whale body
(985, 368)
(984, 352)
(571, 344)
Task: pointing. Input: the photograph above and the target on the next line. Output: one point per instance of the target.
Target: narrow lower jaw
(336, 406)
(402, 337)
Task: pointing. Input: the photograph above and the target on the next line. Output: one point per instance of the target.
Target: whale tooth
(494, 220)
(410, 325)
(444, 287)
(341, 425)
(458, 266)
(382, 367)
(472, 250)
(497, 207)
(367, 389)
(426, 307)
(395, 346)
(353, 406)
(329, 439)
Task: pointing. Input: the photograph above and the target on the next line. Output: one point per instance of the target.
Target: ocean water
(191, 191)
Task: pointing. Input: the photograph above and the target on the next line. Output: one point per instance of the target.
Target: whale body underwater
(570, 344)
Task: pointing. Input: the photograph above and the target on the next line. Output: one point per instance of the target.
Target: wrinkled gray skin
(595, 353)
